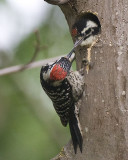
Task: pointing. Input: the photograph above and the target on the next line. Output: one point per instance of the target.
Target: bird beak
(77, 43)
(86, 35)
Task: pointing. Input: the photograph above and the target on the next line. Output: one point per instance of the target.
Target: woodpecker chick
(64, 88)
(87, 26)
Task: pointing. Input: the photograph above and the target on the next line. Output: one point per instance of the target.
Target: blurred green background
(29, 127)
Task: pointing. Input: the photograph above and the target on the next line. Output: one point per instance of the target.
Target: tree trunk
(104, 108)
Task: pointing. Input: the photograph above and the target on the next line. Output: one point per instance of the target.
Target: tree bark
(104, 107)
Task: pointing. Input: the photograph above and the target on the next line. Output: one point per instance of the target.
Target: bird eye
(74, 32)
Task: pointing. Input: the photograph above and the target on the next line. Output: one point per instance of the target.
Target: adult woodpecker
(64, 87)
(88, 26)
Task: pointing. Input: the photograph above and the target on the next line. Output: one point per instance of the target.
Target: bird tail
(75, 131)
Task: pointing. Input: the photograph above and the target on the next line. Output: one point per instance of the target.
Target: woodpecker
(64, 87)
(87, 26)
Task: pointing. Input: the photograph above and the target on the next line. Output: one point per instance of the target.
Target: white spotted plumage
(64, 94)
(76, 79)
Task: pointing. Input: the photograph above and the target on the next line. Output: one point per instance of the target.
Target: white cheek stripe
(90, 24)
(46, 75)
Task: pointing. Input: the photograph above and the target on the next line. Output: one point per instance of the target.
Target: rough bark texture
(104, 109)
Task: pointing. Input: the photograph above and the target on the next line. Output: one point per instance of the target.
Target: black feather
(81, 23)
(63, 101)
(75, 132)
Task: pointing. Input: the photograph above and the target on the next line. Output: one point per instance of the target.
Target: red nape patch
(57, 73)
(74, 32)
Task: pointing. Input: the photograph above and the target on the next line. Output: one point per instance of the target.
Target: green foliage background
(29, 126)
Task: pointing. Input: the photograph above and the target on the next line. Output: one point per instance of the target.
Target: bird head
(86, 28)
(58, 70)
